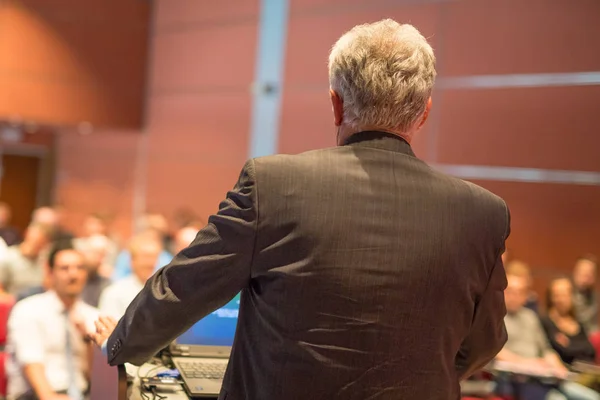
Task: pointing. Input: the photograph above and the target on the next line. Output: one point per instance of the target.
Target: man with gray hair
(364, 273)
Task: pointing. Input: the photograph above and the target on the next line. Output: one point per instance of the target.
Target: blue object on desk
(171, 373)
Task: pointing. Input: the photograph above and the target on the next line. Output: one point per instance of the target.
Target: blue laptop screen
(216, 329)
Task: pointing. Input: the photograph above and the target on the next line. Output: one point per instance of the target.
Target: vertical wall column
(268, 83)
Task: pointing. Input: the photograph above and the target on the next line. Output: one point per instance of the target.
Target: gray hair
(384, 73)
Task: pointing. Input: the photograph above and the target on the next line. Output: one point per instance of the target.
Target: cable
(156, 395)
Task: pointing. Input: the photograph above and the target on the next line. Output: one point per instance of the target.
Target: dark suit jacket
(365, 274)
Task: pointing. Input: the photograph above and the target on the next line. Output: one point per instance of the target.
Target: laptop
(201, 354)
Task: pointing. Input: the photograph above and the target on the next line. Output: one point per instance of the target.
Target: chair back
(107, 382)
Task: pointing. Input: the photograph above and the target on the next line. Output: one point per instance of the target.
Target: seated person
(94, 251)
(48, 355)
(145, 250)
(519, 268)
(22, 269)
(566, 335)
(527, 345)
(123, 263)
(585, 300)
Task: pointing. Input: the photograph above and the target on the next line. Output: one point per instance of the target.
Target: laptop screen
(216, 329)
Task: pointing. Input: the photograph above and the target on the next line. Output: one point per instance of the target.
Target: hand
(562, 339)
(561, 372)
(104, 327)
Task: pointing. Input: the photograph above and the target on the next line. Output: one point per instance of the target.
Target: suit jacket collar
(381, 141)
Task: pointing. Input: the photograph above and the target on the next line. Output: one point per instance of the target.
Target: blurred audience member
(22, 267)
(94, 251)
(48, 356)
(158, 223)
(95, 225)
(52, 217)
(567, 335)
(183, 238)
(519, 268)
(145, 249)
(185, 217)
(584, 291)
(123, 263)
(528, 346)
(8, 233)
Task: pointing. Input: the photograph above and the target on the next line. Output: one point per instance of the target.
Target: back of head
(384, 73)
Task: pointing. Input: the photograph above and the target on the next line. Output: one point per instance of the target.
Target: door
(19, 186)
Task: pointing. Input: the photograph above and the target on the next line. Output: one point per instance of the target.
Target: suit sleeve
(199, 280)
(488, 332)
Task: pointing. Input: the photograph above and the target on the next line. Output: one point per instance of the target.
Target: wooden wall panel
(552, 224)
(548, 127)
(85, 58)
(200, 102)
(96, 173)
(513, 36)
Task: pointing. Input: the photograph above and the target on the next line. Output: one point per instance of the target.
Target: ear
(337, 105)
(425, 113)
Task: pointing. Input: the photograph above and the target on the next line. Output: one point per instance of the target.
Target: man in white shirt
(145, 250)
(49, 358)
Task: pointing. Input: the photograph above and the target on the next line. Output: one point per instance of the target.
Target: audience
(52, 218)
(519, 268)
(566, 335)
(83, 273)
(145, 249)
(94, 251)
(48, 356)
(9, 234)
(151, 224)
(95, 226)
(528, 346)
(183, 238)
(584, 292)
(22, 267)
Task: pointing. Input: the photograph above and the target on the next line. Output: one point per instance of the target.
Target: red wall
(199, 104)
(67, 61)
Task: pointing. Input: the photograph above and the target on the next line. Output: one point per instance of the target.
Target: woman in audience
(566, 335)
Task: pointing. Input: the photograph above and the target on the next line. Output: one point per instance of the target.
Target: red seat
(5, 307)
(595, 341)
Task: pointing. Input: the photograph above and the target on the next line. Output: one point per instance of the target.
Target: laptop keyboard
(202, 370)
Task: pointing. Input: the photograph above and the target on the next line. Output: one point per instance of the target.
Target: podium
(107, 382)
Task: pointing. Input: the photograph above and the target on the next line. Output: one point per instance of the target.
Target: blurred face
(69, 274)
(584, 274)
(561, 294)
(144, 258)
(516, 293)
(35, 240)
(45, 216)
(183, 239)
(4, 215)
(94, 226)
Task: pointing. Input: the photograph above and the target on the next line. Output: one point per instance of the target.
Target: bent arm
(488, 332)
(199, 280)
